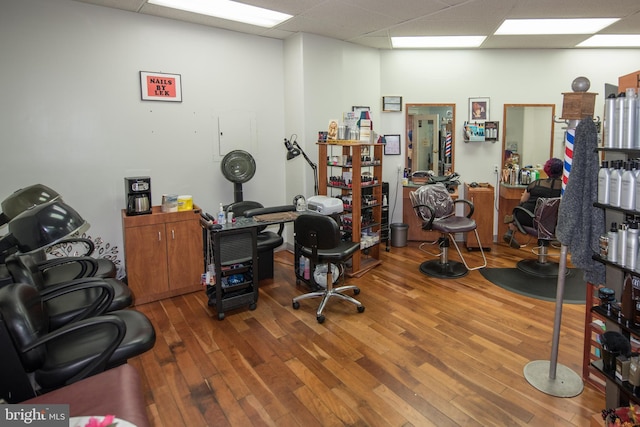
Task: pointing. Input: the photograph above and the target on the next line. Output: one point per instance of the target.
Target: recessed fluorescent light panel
(226, 9)
(612, 40)
(553, 26)
(436, 42)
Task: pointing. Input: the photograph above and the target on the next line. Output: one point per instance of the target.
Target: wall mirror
(527, 134)
(429, 139)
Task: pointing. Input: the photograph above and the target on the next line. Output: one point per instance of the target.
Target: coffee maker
(137, 191)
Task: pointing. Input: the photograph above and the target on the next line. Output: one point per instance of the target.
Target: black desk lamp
(293, 151)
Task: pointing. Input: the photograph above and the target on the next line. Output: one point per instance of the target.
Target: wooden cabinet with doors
(163, 253)
(483, 202)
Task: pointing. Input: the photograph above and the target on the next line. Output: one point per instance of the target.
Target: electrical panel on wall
(236, 131)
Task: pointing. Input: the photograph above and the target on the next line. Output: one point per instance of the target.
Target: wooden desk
(409, 217)
(509, 198)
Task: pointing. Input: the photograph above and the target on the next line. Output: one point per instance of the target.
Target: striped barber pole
(447, 145)
(569, 136)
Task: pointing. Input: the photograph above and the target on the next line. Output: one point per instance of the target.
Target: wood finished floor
(426, 352)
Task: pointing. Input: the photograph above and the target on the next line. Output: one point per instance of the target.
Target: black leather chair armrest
(88, 265)
(426, 224)
(87, 242)
(98, 363)
(98, 307)
(469, 203)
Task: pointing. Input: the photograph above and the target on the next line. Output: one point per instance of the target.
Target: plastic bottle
(301, 264)
(620, 120)
(610, 121)
(622, 244)
(221, 216)
(632, 245)
(615, 184)
(612, 254)
(604, 176)
(628, 188)
(629, 130)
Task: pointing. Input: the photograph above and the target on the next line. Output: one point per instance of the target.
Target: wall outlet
(495, 168)
(399, 168)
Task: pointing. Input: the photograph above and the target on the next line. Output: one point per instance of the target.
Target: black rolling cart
(232, 255)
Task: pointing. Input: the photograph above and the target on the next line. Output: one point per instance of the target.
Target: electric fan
(238, 166)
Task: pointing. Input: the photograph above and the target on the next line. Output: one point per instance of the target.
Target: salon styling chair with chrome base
(545, 219)
(317, 237)
(435, 207)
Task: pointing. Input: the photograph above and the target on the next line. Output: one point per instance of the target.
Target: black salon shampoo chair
(318, 238)
(53, 358)
(267, 240)
(435, 207)
(545, 219)
(68, 307)
(63, 269)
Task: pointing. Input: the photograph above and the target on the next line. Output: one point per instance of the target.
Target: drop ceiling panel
(373, 22)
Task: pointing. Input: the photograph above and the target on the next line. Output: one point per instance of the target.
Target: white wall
(72, 118)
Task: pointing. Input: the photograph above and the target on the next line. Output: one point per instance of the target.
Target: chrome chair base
(326, 294)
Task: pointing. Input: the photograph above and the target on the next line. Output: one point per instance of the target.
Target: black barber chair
(435, 207)
(73, 304)
(545, 219)
(267, 240)
(317, 237)
(72, 352)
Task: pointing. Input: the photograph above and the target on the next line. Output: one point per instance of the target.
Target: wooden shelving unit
(367, 258)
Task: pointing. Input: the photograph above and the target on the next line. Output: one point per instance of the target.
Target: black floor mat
(512, 279)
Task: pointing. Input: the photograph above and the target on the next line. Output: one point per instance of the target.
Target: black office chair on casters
(317, 237)
(545, 219)
(435, 207)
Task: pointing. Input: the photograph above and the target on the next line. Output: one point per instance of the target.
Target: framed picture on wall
(160, 86)
(392, 145)
(478, 109)
(392, 103)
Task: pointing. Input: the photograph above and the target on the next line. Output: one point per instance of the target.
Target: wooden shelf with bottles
(330, 156)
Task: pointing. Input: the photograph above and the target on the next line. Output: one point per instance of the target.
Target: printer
(324, 205)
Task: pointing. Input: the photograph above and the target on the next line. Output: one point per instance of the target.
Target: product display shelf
(618, 393)
(333, 155)
(235, 259)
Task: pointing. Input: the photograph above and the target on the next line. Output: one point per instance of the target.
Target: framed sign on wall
(391, 103)
(160, 86)
(392, 145)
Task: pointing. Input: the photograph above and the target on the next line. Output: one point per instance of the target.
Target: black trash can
(399, 234)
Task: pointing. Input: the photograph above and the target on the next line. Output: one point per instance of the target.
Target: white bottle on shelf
(628, 188)
(615, 183)
(612, 254)
(604, 176)
(632, 245)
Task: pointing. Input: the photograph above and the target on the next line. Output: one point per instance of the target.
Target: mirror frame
(408, 107)
(504, 127)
